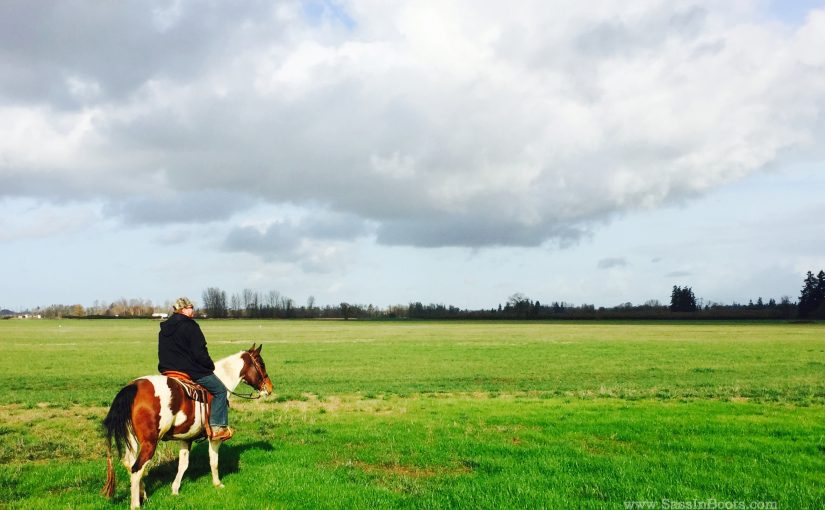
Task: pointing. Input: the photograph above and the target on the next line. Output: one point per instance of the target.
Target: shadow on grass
(161, 475)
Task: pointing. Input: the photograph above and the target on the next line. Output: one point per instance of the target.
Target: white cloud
(441, 124)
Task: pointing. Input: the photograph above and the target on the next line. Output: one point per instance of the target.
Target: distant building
(160, 315)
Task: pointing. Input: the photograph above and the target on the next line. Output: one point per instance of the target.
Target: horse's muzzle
(266, 388)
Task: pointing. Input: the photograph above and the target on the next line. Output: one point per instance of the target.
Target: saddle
(192, 389)
(195, 392)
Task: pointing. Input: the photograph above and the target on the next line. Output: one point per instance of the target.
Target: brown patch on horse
(180, 403)
(145, 421)
(248, 372)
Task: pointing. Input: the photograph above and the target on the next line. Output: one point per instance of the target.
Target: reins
(261, 378)
(248, 397)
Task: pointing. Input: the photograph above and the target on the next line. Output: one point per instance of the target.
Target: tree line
(252, 304)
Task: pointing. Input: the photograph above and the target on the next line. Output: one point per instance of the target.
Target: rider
(182, 348)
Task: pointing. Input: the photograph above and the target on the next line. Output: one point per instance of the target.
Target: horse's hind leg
(213, 462)
(138, 492)
(147, 450)
(183, 463)
(129, 460)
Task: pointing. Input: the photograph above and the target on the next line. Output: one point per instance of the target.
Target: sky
(375, 152)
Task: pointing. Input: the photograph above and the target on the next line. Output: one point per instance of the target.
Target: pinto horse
(156, 408)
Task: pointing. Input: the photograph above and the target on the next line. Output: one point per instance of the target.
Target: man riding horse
(182, 348)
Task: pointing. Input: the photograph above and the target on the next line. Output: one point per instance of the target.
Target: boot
(222, 433)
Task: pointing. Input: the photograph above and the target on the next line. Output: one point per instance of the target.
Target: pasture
(440, 415)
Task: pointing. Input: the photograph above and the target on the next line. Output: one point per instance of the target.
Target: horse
(156, 408)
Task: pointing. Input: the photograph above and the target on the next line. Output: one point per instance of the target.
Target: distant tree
(270, 304)
(235, 305)
(812, 297)
(287, 304)
(214, 302)
(808, 296)
(251, 302)
(519, 304)
(682, 299)
(311, 306)
(820, 293)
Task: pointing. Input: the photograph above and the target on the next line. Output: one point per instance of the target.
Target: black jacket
(182, 347)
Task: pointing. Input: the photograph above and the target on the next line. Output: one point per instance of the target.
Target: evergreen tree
(820, 287)
(811, 296)
(682, 299)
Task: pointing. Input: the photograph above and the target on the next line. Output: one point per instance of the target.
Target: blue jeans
(219, 416)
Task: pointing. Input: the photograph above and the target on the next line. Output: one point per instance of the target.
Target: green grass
(440, 415)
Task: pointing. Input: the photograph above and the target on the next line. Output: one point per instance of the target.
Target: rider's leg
(219, 416)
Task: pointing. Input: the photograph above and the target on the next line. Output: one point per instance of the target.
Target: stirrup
(222, 434)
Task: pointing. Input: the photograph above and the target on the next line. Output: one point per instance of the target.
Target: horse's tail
(108, 489)
(117, 427)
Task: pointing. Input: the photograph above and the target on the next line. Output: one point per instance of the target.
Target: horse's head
(254, 370)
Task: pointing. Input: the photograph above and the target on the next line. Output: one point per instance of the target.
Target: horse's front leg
(183, 464)
(213, 462)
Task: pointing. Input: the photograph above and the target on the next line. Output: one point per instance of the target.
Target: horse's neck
(228, 370)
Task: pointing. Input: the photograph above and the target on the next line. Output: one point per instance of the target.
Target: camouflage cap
(182, 303)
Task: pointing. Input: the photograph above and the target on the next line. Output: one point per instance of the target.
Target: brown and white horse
(155, 408)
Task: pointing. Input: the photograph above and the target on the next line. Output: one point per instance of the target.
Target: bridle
(261, 378)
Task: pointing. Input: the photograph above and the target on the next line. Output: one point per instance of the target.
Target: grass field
(441, 415)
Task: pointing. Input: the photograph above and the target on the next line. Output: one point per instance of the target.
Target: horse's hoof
(220, 486)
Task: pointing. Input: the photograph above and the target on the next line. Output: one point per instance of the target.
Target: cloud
(678, 274)
(22, 219)
(171, 206)
(612, 262)
(460, 124)
(319, 243)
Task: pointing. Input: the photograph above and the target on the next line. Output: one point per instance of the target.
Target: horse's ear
(252, 348)
(260, 347)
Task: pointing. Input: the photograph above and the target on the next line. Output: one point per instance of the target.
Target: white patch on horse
(163, 393)
(180, 418)
(197, 426)
(229, 370)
